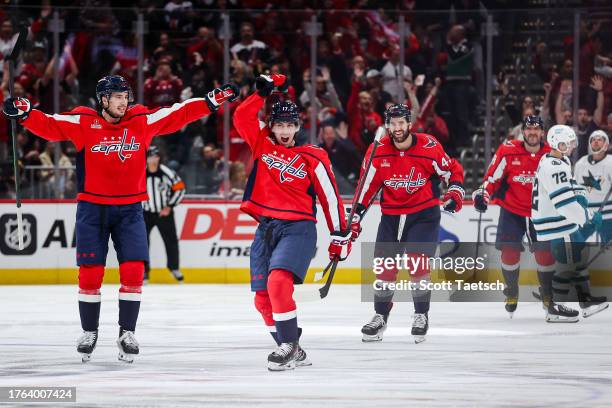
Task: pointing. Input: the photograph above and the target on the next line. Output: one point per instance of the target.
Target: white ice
(205, 345)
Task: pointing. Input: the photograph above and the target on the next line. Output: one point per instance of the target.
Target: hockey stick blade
(325, 289)
(320, 275)
(19, 44)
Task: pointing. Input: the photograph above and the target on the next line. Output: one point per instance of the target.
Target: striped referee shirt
(165, 189)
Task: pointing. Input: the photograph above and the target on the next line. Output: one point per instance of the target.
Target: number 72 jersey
(556, 209)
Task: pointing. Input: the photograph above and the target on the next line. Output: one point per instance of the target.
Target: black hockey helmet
(153, 151)
(397, 111)
(284, 111)
(533, 120)
(113, 83)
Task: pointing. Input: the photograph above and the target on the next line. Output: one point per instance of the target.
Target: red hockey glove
(453, 199)
(16, 108)
(265, 84)
(340, 245)
(355, 223)
(225, 93)
(481, 198)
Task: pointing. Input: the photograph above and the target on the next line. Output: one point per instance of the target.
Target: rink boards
(215, 240)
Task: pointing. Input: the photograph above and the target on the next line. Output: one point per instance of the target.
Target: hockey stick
(12, 61)
(330, 270)
(604, 246)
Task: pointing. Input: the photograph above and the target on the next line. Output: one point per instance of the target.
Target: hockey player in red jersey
(281, 194)
(408, 168)
(111, 144)
(509, 181)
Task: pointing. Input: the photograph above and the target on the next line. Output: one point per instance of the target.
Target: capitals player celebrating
(560, 216)
(280, 194)
(111, 144)
(408, 168)
(509, 181)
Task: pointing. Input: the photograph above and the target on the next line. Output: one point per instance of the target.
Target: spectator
(248, 49)
(238, 180)
(206, 174)
(206, 50)
(343, 155)
(164, 88)
(391, 71)
(427, 121)
(179, 15)
(8, 37)
(325, 93)
(363, 121)
(47, 158)
(374, 86)
(458, 90)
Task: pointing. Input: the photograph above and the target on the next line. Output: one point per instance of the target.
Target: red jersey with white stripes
(112, 158)
(285, 181)
(509, 179)
(408, 178)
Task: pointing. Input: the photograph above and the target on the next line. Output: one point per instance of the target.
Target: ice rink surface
(205, 345)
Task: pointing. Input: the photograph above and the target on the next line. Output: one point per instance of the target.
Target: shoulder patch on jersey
(431, 142)
(556, 162)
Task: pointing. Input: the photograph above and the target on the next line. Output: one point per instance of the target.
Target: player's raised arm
(172, 118)
(57, 127)
(246, 121)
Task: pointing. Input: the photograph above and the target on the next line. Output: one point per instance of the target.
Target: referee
(165, 189)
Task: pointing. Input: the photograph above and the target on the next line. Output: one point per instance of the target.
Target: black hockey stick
(604, 246)
(12, 61)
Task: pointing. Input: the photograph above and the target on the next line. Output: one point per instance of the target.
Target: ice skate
(373, 331)
(558, 313)
(420, 325)
(302, 359)
(591, 305)
(284, 357)
(177, 275)
(86, 344)
(511, 301)
(128, 346)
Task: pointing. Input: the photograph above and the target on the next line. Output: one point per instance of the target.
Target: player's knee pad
(388, 274)
(131, 274)
(264, 306)
(545, 260)
(90, 278)
(280, 289)
(510, 258)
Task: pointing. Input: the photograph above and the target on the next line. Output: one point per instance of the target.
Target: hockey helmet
(533, 120)
(599, 134)
(561, 134)
(397, 111)
(284, 111)
(113, 83)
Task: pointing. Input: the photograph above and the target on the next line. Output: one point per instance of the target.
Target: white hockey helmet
(561, 134)
(599, 134)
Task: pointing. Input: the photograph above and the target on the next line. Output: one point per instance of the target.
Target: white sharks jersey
(596, 178)
(556, 211)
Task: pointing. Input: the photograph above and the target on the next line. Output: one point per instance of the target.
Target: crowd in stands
(358, 75)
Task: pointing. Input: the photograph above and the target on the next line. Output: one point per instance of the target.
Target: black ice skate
(420, 324)
(591, 304)
(177, 275)
(302, 359)
(284, 357)
(511, 301)
(128, 346)
(86, 344)
(373, 331)
(558, 313)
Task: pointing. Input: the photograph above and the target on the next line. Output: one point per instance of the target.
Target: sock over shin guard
(90, 282)
(280, 289)
(510, 260)
(131, 274)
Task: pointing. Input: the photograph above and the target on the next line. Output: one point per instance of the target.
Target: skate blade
(368, 338)
(591, 310)
(85, 357)
(511, 314)
(558, 319)
(281, 367)
(125, 357)
(304, 363)
(419, 339)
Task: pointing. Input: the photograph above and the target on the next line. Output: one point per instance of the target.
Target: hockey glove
(356, 221)
(453, 199)
(16, 108)
(481, 199)
(265, 84)
(340, 245)
(226, 93)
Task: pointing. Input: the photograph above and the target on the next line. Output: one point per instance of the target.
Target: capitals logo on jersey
(407, 182)
(117, 145)
(524, 178)
(285, 168)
